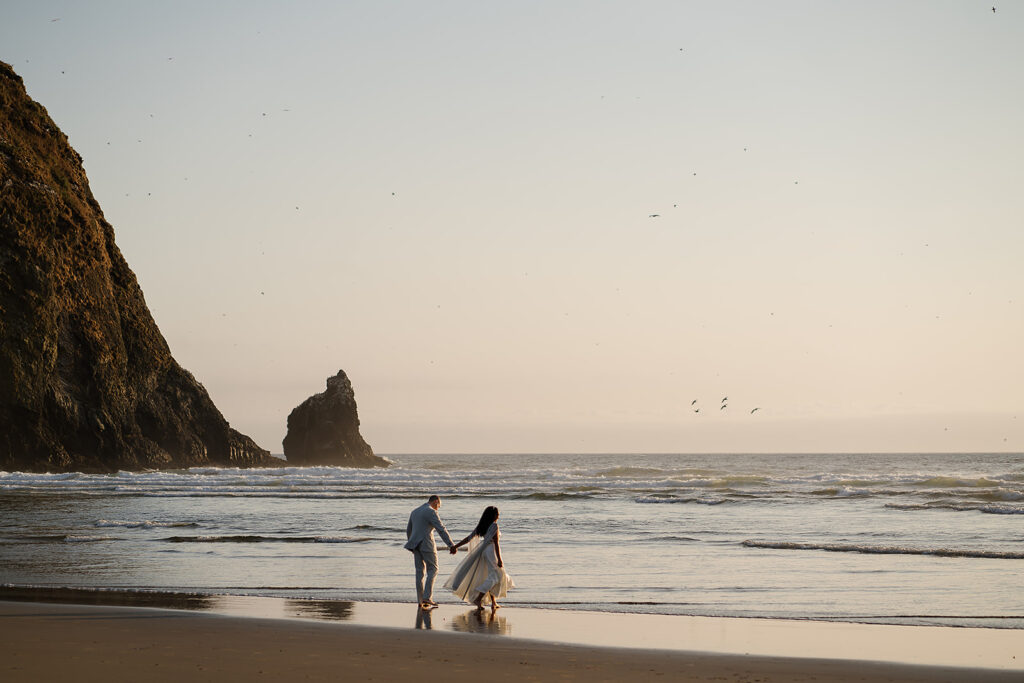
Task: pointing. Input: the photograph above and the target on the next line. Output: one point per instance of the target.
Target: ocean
(915, 539)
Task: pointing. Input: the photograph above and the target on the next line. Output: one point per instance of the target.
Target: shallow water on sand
(907, 539)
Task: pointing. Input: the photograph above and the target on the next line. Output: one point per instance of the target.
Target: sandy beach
(43, 642)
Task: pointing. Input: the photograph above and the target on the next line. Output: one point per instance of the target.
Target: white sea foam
(144, 524)
(886, 550)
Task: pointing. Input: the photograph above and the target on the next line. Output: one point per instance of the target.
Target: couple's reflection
(473, 621)
(482, 621)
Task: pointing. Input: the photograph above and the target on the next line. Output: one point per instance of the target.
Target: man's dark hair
(433, 498)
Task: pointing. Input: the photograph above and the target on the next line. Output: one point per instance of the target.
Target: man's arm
(435, 521)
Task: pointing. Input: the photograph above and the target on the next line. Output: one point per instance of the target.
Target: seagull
(655, 215)
(693, 401)
(724, 406)
(754, 410)
(725, 399)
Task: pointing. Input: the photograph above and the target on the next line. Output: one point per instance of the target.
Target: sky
(553, 226)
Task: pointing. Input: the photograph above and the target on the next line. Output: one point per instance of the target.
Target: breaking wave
(958, 507)
(885, 549)
(247, 538)
(144, 524)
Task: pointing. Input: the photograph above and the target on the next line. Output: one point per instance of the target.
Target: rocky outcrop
(324, 430)
(87, 382)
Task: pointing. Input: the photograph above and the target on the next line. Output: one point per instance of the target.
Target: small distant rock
(324, 430)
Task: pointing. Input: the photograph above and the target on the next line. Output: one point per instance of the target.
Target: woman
(482, 573)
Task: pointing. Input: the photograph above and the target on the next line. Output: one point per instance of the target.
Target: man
(420, 534)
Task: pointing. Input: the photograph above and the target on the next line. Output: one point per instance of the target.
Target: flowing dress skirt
(479, 574)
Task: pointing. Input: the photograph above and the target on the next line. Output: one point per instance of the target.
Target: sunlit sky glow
(452, 201)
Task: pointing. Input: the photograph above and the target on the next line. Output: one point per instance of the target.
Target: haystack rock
(324, 430)
(87, 381)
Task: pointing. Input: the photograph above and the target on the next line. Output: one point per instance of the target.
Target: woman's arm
(455, 548)
(497, 550)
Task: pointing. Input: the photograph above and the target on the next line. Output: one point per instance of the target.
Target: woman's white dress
(479, 574)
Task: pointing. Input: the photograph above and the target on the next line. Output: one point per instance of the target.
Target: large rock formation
(324, 430)
(87, 381)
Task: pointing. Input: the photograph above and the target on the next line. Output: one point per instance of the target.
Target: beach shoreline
(103, 642)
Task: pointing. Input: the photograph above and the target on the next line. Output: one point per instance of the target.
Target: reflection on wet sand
(424, 619)
(482, 621)
(332, 610)
(111, 597)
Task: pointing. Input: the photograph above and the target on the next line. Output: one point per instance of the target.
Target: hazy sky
(452, 201)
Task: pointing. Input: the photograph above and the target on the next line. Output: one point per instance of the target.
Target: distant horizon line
(384, 455)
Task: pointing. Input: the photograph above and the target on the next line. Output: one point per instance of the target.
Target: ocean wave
(957, 482)
(958, 507)
(71, 538)
(144, 524)
(466, 478)
(626, 471)
(844, 492)
(654, 500)
(885, 549)
(59, 538)
(553, 495)
(252, 538)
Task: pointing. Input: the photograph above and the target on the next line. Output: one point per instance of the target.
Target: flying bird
(724, 406)
(754, 410)
(655, 215)
(725, 399)
(693, 401)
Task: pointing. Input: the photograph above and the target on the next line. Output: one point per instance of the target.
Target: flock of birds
(723, 404)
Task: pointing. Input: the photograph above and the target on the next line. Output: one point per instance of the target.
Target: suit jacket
(420, 530)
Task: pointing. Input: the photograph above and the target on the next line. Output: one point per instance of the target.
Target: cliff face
(324, 430)
(87, 382)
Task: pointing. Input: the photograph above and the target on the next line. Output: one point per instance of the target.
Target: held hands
(453, 549)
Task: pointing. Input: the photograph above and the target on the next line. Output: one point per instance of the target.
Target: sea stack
(87, 381)
(324, 430)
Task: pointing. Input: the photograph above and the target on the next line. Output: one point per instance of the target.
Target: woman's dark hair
(486, 520)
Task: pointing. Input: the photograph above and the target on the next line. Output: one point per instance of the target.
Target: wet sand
(41, 642)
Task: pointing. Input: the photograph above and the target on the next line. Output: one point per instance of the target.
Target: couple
(481, 575)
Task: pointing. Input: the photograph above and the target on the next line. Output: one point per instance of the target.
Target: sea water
(902, 538)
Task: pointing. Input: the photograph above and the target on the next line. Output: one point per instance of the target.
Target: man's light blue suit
(420, 534)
